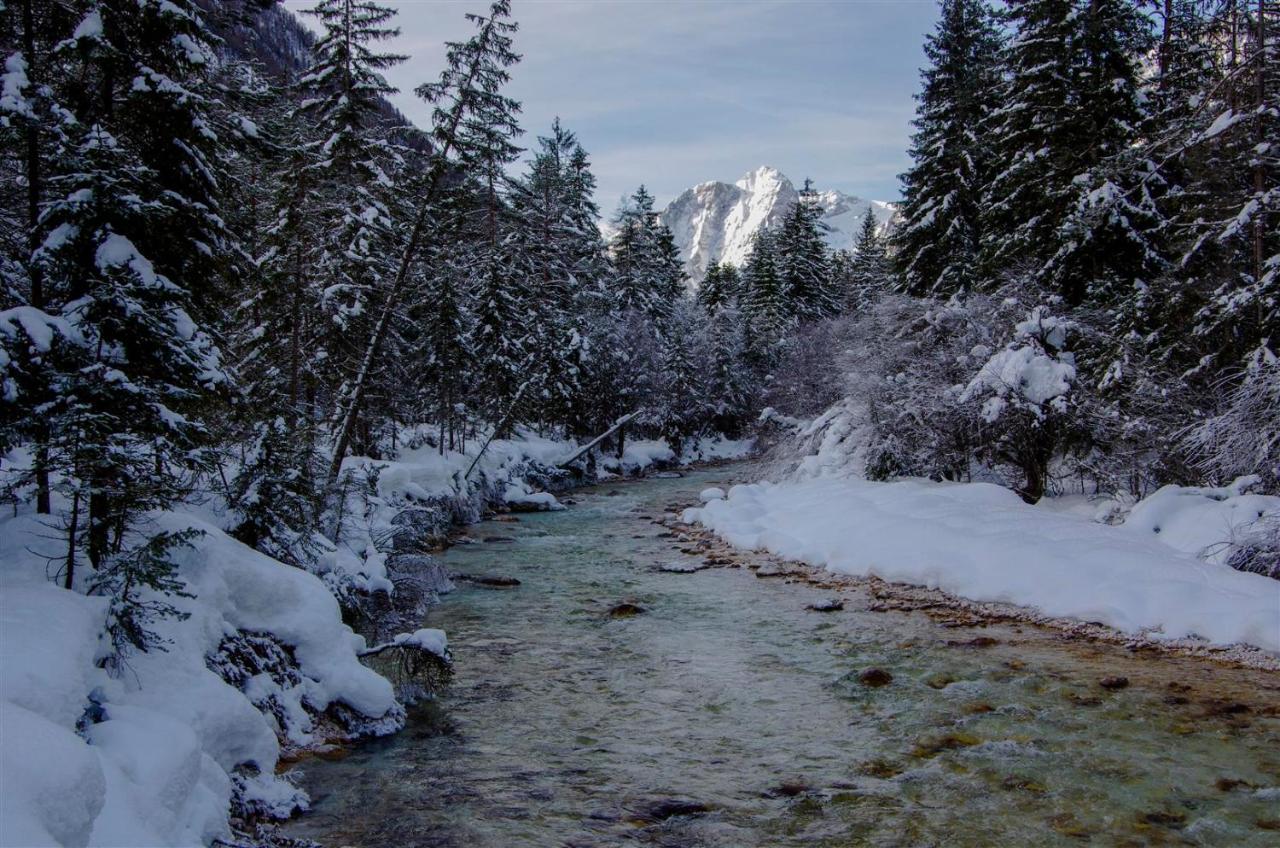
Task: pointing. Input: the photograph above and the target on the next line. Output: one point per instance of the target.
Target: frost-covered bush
(1244, 436)
(1025, 395)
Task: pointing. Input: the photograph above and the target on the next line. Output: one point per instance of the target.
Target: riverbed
(726, 713)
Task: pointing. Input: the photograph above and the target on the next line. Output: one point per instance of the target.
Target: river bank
(726, 713)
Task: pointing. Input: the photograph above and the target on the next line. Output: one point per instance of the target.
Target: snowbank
(640, 455)
(150, 756)
(981, 541)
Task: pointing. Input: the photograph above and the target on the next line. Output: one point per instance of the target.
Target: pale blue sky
(675, 92)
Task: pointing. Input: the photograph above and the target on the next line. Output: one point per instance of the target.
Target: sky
(671, 93)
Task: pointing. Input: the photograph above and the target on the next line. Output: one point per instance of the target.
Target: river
(727, 714)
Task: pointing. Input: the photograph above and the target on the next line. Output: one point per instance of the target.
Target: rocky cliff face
(716, 221)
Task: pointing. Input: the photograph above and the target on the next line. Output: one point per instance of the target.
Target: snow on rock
(427, 639)
(714, 493)
(980, 541)
(160, 744)
(1201, 521)
(715, 221)
(519, 494)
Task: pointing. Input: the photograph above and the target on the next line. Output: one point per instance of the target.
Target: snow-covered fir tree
(803, 263)
(870, 272)
(938, 240)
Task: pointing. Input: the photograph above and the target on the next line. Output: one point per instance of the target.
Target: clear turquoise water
(564, 727)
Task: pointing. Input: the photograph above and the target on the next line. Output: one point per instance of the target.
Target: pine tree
(1030, 136)
(647, 272)
(937, 244)
(870, 274)
(131, 260)
(562, 251)
(1109, 237)
(716, 290)
(472, 122)
(1070, 104)
(803, 264)
(341, 93)
(682, 408)
(764, 300)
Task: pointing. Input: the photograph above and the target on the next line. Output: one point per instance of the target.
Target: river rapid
(727, 714)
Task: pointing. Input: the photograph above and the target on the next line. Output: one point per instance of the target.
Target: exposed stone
(626, 610)
(875, 677)
(826, 605)
(1114, 682)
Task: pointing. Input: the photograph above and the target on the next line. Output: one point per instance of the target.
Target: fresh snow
(980, 541)
(716, 221)
(157, 770)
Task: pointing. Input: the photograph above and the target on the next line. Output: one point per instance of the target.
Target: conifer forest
(320, 425)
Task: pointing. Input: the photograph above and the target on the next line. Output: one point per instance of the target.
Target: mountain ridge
(716, 221)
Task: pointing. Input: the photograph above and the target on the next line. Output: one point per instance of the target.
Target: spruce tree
(803, 264)
(1070, 103)
(341, 94)
(472, 123)
(764, 299)
(647, 272)
(869, 274)
(937, 244)
(131, 261)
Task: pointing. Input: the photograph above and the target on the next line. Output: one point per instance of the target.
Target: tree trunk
(450, 135)
(1259, 175)
(35, 189)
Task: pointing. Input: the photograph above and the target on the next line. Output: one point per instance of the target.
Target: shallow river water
(728, 715)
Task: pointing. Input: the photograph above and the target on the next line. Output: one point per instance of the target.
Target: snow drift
(980, 541)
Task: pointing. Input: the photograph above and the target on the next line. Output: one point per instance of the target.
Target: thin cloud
(675, 93)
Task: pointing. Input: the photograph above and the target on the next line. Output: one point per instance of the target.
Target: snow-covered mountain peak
(765, 178)
(716, 221)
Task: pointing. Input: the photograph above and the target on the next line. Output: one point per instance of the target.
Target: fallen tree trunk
(617, 425)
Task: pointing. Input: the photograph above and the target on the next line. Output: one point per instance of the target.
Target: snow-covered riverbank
(166, 747)
(1159, 574)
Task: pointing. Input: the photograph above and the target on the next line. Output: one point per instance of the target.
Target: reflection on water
(728, 715)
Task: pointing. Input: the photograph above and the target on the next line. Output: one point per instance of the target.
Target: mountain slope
(716, 221)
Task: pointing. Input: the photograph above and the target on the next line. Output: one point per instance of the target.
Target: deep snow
(1159, 574)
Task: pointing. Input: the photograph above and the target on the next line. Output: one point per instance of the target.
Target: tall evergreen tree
(132, 260)
(473, 123)
(937, 244)
(803, 263)
(764, 299)
(870, 273)
(1070, 103)
(647, 272)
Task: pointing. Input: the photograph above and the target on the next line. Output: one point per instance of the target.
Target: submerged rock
(875, 677)
(496, 581)
(1114, 682)
(667, 808)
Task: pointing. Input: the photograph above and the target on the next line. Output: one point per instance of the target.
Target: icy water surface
(728, 715)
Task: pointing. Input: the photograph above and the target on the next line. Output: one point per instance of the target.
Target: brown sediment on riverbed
(951, 610)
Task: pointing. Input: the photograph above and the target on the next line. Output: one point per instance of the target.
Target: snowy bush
(1024, 394)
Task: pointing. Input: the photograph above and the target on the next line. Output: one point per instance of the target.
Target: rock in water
(1113, 683)
(626, 610)
(875, 677)
(680, 567)
(826, 605)
(496, 581)
(666, 808)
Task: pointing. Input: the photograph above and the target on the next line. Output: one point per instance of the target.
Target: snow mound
(1201, 521)
(159, 745)
(981, 541)
(714, 493)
